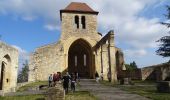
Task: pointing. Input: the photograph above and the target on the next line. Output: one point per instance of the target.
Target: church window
(83, 22)
(85, 62)
(75, 59)
(76, 19)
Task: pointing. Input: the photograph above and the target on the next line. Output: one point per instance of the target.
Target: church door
(80, 58)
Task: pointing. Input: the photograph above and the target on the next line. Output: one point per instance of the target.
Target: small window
(76, 19)
(75, 60)
(85, 61)
(83, 22)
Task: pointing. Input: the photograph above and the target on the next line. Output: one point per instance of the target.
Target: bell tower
(78, 19)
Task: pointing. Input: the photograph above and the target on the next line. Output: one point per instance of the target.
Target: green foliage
(131, 66)
(23, 74)
(164, 47)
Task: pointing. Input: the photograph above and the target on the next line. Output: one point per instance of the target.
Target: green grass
(26, 87)
(144, 90)
(30, 97)
(78, 95)
(144, 82)
(147, 91)
(81, 95)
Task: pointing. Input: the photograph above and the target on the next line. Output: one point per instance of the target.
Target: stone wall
(54, 57)
(69, 28)
(9, 57)
(133, 74)
(156, 72)
(107, 61)
(45, 61)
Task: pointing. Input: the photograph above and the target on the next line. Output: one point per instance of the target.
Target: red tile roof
(78, 7)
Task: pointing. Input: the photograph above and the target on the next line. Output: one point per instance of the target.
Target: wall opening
(76, 20)
(2, 75)
(83, 22)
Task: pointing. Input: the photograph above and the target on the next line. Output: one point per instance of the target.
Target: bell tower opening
(76, 19)
(80, 58)
(83, 22)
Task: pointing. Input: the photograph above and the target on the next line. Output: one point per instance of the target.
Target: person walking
(50, 80)
(77, 76)
(97, 77)
(66, 78)
(73, 82)
(54, 79)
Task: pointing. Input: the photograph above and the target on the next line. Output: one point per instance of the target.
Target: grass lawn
(26, 87)
(143, 88)
(30, 97)
(79, 95)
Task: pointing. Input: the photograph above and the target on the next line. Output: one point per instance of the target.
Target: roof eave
(80, 12)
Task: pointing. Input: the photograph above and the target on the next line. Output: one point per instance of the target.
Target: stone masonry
(81, 34)
(8, 68)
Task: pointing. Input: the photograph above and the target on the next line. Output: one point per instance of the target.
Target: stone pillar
(112, 58)
(104, 61)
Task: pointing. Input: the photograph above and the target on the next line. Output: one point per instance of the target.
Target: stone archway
(80, 58)
(2, 75)
(5, 72)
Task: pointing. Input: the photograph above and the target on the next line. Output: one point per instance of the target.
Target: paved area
(103, 92)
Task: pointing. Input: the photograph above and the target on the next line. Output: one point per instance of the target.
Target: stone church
(8, 68)
(81, 48)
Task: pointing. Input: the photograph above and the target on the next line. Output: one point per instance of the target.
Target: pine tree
(131, 66)
(164, 49)
(23, 74)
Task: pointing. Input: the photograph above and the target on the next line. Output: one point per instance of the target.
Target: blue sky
(28, 24)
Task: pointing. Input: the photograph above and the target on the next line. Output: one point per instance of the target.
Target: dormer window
(76, 19)
(83, 22)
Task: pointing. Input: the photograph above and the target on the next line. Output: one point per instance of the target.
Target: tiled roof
(79, 8)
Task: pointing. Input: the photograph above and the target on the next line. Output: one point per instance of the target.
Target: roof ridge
(79, 7)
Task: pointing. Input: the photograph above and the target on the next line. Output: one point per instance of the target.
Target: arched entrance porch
(80, 59)
(5, 69)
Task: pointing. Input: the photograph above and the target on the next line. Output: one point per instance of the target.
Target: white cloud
(52, 27)
(23, 54)
(135, 53)
(131, 29)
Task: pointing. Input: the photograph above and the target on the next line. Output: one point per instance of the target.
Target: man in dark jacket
(66, 78)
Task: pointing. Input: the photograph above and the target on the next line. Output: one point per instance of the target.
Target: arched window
(75, 60)
(76, 19)
(85, 61)
(83, 22)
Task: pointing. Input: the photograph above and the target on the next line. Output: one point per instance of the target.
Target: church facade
(81, 48)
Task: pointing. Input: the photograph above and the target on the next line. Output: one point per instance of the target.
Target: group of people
(65, 79)
(53, 79)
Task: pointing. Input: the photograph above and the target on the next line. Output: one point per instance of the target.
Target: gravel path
(103, 92)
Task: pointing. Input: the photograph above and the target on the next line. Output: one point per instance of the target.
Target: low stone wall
(134, 74)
